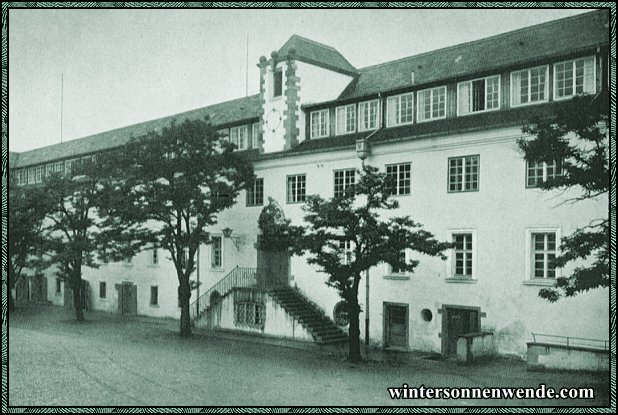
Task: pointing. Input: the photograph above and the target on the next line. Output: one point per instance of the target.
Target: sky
(111, 68)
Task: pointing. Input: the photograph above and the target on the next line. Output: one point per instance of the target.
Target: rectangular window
(346, 119)
(58, 285)
(255, 193)
(31, 175)
(255, 135)
(39, 174)
(216, 252)
(400, 109)
(239, 136)
(368, 115)
(530, 86)
(574, 77)
(344, 181)
(463, 174)
(400, 174)
(538, 172)
(432, 104)
(249, 314)
(102, 289)
(22, 176)
(155, 255)
(277, 83)
(296, 188)
(347, 252)
(462, 252)
(478, 95)
(319, 123)
(544, 255)
(154, 295)
(399, 269)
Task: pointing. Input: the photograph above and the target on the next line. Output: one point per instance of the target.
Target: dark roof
(310, 51)
(556, 38)
(510, 118)
(224, 113)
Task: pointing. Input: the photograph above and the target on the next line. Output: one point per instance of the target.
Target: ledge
(461, 280)
(397, 277)
(540, 283)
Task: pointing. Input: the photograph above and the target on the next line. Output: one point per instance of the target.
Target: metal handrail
(573, 341)
(238, 277)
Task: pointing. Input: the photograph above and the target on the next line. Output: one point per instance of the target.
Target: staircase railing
(238, 277)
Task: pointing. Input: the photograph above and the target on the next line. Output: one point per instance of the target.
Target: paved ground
(111, 361)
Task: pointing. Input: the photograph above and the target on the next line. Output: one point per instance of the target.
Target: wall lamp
(227, 233)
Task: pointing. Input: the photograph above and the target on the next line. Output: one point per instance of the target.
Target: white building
(446, 123)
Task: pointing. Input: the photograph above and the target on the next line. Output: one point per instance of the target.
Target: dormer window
(574, 77)
(400, 109)
(277, 83)
(530, 86)
(346, 119)
(478, 95)
(319, 123)
(239, 137)
(431, 104)
(368, 115)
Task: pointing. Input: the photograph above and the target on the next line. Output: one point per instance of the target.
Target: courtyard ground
(114, 361)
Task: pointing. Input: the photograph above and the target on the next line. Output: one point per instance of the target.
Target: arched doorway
(273, 256)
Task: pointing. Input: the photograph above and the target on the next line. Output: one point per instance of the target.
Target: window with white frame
(538, 172)
(463, 173)
(400, 109)
(344, 181)
(216, 252)
(319, 123)
(462, 255)
(574, 77)
(399, 268)
(543, 248)
(31, 175)
(431, 104)
(22, 176)
(368, 115)
(400, 176)
(296, 188)
(255, 193)
(255, 135)
(478, 95)
(239, 136)
(39, 174)
(347, 252)
(530, 86)
(345, 119)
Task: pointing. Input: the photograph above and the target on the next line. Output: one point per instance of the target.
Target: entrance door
(396, 325)
(128, 298)
(459, 321)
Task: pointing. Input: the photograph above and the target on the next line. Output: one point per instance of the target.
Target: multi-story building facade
(445, 124)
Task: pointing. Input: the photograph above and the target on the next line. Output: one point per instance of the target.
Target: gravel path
(111, 361)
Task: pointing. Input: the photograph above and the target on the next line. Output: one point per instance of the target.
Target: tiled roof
(317, 53)
(220, 114)
(559, 37)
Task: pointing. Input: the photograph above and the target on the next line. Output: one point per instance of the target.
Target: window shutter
(464, 98)
(391, 108)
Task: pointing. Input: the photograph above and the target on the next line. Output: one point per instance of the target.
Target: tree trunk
(184, 294)
(10, 285)
(354, 332)
(78, 297)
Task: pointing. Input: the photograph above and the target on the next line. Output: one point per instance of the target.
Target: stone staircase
(323, 329)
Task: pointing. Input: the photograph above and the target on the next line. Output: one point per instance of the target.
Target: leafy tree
(79, 231)
(355, 219)
(175, 183)
(576, 136)
(28, 207)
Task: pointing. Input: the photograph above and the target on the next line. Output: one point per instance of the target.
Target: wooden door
(396, 325)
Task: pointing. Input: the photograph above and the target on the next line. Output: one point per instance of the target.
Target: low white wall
(474, 347)
(547, 356)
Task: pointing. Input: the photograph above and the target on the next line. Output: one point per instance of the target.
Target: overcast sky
(126, 66)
